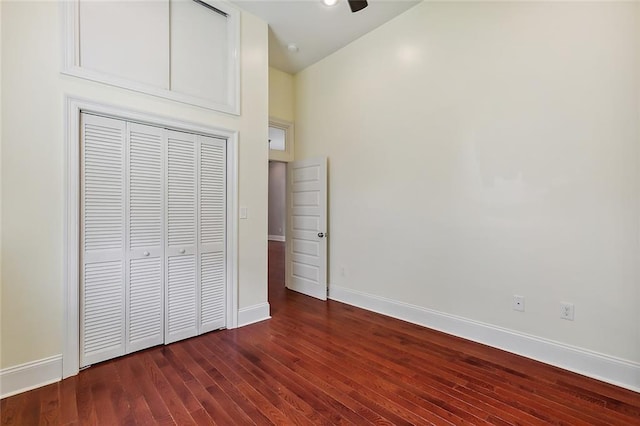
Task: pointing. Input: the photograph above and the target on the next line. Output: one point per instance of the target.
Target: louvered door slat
(182, 274)
(145, 236)
(102, 280)
(212, 219)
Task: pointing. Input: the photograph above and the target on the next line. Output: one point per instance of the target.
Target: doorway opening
(277, 229)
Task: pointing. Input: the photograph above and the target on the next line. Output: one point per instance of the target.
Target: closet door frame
(71, 272)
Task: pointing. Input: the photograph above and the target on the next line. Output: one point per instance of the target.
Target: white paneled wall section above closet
(153, 236)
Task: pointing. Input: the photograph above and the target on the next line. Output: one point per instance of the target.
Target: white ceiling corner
(316, 29)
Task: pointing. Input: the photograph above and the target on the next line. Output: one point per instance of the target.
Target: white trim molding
(602, 367)
(277, 238)
(31, 375)
(73, 108)
(253, 314)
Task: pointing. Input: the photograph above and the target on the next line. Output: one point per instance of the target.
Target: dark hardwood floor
(323, 363)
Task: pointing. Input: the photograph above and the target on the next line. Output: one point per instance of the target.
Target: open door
(306, 257)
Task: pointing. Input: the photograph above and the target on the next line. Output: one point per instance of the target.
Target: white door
(145, 232)
(306, 269)
(212, 236)
(181, 257)
(102, 239)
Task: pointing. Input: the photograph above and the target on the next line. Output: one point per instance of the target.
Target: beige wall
(637, 298)
(482, 150)
(33, 171)
(281, 106)
(1, 291)
(281, 95)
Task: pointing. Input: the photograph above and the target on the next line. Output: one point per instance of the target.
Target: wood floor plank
(84, 399)
(291, 404)
(50, 405)
(207, 394)
(202, 370)
(171, 374)
(333, 410)
(134, 393)
(244, 405)
(323, 363)
(242, 383)
(11, 408)
(313, 375)
(178, 412)
(67, 404)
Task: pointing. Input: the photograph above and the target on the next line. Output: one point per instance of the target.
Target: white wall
(33, 171)
(277, 193)
(482, 150)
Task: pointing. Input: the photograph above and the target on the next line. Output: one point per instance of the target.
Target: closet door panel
(212, 236)
(181, 295)
(102, 278)
(145, 293)
(182, 274)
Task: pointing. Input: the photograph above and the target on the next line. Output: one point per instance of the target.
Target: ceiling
(317, 30)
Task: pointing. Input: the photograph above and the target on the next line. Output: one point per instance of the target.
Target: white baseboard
(253, 314)
(592, 364)
(24, 377)
(277, 238)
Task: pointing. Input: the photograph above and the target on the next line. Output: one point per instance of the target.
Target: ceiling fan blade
(357, 5)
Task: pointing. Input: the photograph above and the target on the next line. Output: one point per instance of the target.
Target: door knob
(146, 253)
(321, 234)
(182, 251)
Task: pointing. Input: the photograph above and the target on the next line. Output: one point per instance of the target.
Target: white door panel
(145, 302)
(181, 315)
(181, 278)
(212, 235)
(306, 269)
(145, 236)
(102, 328)
(102, 278)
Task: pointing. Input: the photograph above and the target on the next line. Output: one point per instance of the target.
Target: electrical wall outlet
(518, 303)
(566, 311)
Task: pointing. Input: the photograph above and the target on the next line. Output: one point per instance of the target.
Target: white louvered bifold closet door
(102, 278)
(212, 236)
(153, 237)
(182, 299)
(145, 230)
